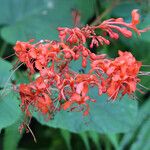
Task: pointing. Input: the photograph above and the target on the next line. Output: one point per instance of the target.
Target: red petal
(67, 104)
(135, 17)
(38, 65)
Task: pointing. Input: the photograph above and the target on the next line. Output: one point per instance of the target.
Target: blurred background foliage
(120, 126)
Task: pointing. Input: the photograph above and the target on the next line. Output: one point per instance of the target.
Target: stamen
(9, 56)
(144, 73)
(56, 106)
(145, 65)
(117, 90)
(144, 86)
(136, 98)
(31, 133)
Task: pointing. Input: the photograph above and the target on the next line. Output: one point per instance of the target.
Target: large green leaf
(34, 19)
(9, 107)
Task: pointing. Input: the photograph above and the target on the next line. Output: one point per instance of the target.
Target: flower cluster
(58, 87)
(121, 76)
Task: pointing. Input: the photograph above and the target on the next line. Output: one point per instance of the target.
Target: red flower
(75, 35)
(43, 103)
(121, 74)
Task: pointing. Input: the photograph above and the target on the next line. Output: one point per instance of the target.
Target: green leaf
(9, 110)
(95, 138)
(15, 13)
(85, 140)
(142, 115)
(143, 138)
(12, 137)
(104, 116)
(9, 107)
(113, 139)
(34, 19)
(67, 137)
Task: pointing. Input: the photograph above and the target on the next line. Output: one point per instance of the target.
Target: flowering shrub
(52, 58)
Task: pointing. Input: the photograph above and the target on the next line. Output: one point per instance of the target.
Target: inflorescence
(58, 87)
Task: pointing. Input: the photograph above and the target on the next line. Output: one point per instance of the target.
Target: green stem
(3, 48)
